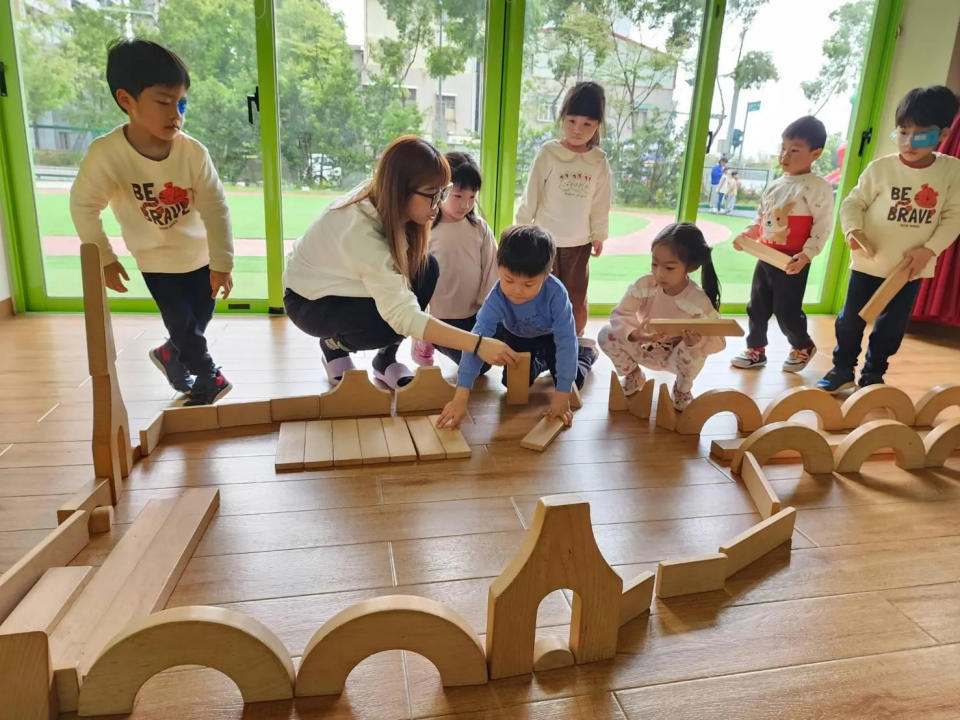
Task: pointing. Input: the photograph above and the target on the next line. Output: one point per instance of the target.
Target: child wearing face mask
(466, 252)
(667, 292)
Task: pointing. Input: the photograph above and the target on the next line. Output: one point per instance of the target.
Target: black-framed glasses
(437, 197)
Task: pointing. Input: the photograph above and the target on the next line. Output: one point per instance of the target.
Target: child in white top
(667, 292)
(165, 192)
(466, 252)
(568, 194)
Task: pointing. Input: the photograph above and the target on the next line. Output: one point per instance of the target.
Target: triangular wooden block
(354, 396)
(427, 391)
(617, 401)
(640, 403)
(666, 413)
(575, 401)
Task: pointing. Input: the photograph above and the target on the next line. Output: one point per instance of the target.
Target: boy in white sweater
(167, 196)
(904, 206)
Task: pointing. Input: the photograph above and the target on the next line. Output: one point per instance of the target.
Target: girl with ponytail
(667, 292)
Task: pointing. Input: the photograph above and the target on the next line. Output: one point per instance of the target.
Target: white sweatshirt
(344, 252)
(899, 208)
(172, 212)
(795, 215)
(568, 194)
(467, 255)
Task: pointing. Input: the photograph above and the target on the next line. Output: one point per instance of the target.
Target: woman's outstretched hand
(496, 352)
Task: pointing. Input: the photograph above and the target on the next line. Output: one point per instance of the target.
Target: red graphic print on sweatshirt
(166, 207)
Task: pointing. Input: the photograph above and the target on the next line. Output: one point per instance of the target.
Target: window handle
(251, 101)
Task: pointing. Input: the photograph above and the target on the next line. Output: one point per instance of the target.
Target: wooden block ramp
(307, 445)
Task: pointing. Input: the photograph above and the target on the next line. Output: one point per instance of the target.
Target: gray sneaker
(798, 359)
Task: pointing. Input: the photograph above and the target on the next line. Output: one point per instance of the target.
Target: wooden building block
(874, 397)
(636, 598)
(373, 443)
(26, 683)
(763, 495)
(787, 404)
(751, 545)
(408, 622)
(770, 440)
(237, 645)
(708, 327)
(425, 438)
(767, 254)
(151, 436)
(560, 529)
(454, 444)
(551, 652)
(666, 412)
(427, 391)
(112, 452)
(355, 396)
(518, 381)
(576, 402)
(57, 549)
(862, 442)
(617, 400)
(687, 576)
(291, 443)
(724, 450)
(101, 349)
(304, 407)
(190, 419)
(94, 493)
(893, 284)
(101, 519)
(399, 443)
(236, 414)
(346, 442)
(318, 444)
(712, 402)
(543, 433)
(940, 443)
(48, 600)
(640, 403)
(935, 401)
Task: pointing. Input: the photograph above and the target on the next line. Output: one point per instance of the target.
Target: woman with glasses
(361, 276)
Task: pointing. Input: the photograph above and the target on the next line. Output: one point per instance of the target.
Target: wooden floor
(861, 620)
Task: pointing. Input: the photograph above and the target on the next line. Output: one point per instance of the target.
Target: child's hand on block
(497, 352)
(691, 338)
(560, 408)
(797, 263)
(220, 280)
(455, 410)
(737, 245)
(857, 242)
(919, 257)
(112, 274)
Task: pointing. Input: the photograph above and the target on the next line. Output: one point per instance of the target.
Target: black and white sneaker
(750, 358)
(837, 380)
(207, 390)
(175, 371)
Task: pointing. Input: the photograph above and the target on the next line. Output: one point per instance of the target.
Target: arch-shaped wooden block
(867, 439)
(708, 404)
(558, 551)
(551, 652)
(787, 404)
(940, 442)
(240, 647)
(354, 396)
(873, 397)
(934, 401)
(391, 622)
(427, 391)
(771, 439)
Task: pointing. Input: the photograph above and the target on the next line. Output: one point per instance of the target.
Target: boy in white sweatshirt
(167, 196)
(904, 206)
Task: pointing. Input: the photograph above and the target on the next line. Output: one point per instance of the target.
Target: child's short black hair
(808, 129)
(526, 250)
(925, 106)
(134, 65)
(464, 171)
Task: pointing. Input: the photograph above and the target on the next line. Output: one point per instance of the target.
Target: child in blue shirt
(528, 309)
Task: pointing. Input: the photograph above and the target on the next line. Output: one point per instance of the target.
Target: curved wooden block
(354, 396)
(391, 622)
(427, 391)
(237, 645)
(550, 653)
(856, 407)
(867, 439)
(787, 404)
(708, 404)
(941, 442)
(771, 439)
(934, 401)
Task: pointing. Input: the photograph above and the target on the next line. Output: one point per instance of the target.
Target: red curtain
(939, 297)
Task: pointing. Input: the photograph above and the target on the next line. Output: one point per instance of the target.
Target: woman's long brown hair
(407, 164)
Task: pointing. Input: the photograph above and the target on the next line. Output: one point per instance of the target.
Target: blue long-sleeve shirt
(548, 313)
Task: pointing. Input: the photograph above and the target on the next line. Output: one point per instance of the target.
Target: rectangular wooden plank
(425, 438)
(765, 253)
(543, 433)
(305, 407)
(48, 600)
(190, 419)
(235, 414)
(151, 435)
(399, 443)
(756, 542)
(25, 677)
(454, 444)
(94, 493)
(56, 549)
(291, 443)
(373, 443)
(764, 496)
(893, 284)
(718, 327)
(346, 442)
(518, 381)
(686, 576)
(318, 444)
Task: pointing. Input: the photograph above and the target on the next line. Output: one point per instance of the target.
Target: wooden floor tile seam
(805, 536)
